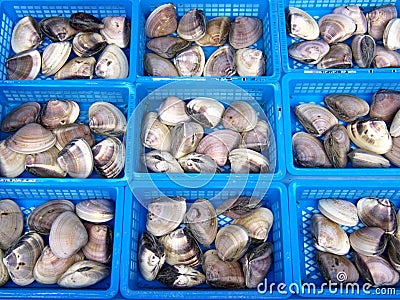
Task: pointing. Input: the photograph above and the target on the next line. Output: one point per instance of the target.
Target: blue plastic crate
(301, 88)
(317, 9)
(267, 96)
(28, 197)
(12, 11)
(134, 286)
(265, 10)
(12, 96)
(303, 203)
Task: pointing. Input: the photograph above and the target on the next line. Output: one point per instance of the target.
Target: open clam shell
(26, 35)
(309, 52)
(217, 31)
(54, 57)
(11, 223)
(161, 161)
(12, 164)
(162, 21)
(151, 256)
(190, 61)
(95, 210)
(369, 241)
(363, 47)
(346, 107)
(379, 212)
(300, 24)
(192, 26)
(109, 157)
(356, 14)
(245, 31)
(57, 112)
(336, 28)
(23, 114)
(116, 30)
(24, 66)
(332, 265)
(44, 164)
(257, 263)
(337, 145)
(378, 18)
(99, 245)
(221, 62)
(106, 119)
(232, 242)
(258, 223)
(57, 29)
(385, 104)
(77, 68)
(112, 63)
(167, 46)
(67, 133)
(315, 118)
(309, 152)
(361, 158)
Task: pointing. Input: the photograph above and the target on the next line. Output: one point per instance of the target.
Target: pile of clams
(69, 47)
(46, 141)
(186, 137)
(346, 37)
(375, 244)
(346, 129)
(176, 45)
(79, 247)
(237, 255)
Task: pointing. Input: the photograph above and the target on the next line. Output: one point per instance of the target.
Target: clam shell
(151, 256)
(99, 245)
(156, 65)
(87, 44)
(257, 263)
(221, 62)
(385, 104)
(369, 241)
(250, 62)
(217, 31)
(185, 138)
(340, 211)
(24, 66)
(245, 31)
(165, 214)
(205, 111)
(155, 134)
(167, 46)
(363, 48)
(355, 13)
(339, 56)
(240, 116)
(336, 28)
(3, 270)
(23, 114)
(378, 18)
(54, 56)
(192, 26)
(77, 68)
(386, 58)
(337, 145)
(112, 63)
(43, 216)
(190, 61)
(172, 111)
(393, 252)
(394, 153)
(109, 157)
(162, 21)
(361, 158)
(379, 212)
(65, 134)
(180, 276)
(395, 126)
(95, 210)
(44, 164)
(232, 242)
(12, 164)
(391, 35)
(116, 30)
(56, 113)
(309, 152)
(257, 139)
(57, 28)
(238, 207)
(11, 223)
(82, 21)
(26, 35)
(161, 161)
(300, 24)
(332, 265)
(248, 161)
(315, 118)
(258, 223)
(346, 107)
(309, 52)
(198, 163)
(106, 119)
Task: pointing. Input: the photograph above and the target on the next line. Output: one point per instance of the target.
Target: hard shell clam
(339, 56)
(162, 21)
(82, 21)
(315, 118)
(378, 18)
(238, 207)
(361, 158)
(393, 252)
(24, 66)
(99, 245)
(192, 26)
(109, 157)
(180, 276)
(340, 211)
(23, 114)
(385, 58)
(65, 134)
(190, 61)
(151, 256)
(77, 68)
(57, 28)
(44, 164)
(155, 134)
(257, 263)
(309, 152)
(12, 164)
(95, 210)
(112, 63)
(369, 241)
(217, 31)
(198, 163)
(232, 242)
(332, 266)
(394, 153)
(221, 62)
(106, 119)
(337, 145)
(356, 14)
(240, 116)
(336, 28)
(26, 35)
(205, 111)
(363, 48)
(309, 52)
(379, 212)
(185, 138)
(300, 24)
(258, 138)
(395, 126)
(172, 111)
(250, 62)
(54, 56)
(161, 161)
(11, 223)
(258, 223)
(116, 30)
(57, 112)
(248, 161)
(167, 46)
(385, 104)
(87, 44)
(391, 35)
(3, 270)
(245, 31)
(346, 107)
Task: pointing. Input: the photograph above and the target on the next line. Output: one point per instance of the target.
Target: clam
(385, 104)
(376, 270)
(151, 256)
(180, 276)
(31, 138)
(217, 30)
(57, 29)
(356, 14)
(26, 35)
(49, 268)
(76, 158)
(11, 223)
(221, 62)
(232, 242)
(161, 161)
(206, 111)
(248, 161)
(258, 223)
(192, 26)
(109, 157)
(309, 52)
(57, 112)
(23, 114)
(340, 211)
(386, 58)
(361, 158)
(337, 145)
(395, 126)
(167, 46)
(83, 274)
(222, 274)
(65, 134)
(116, 30)
(257, 263)
(336, 28)
(162, 21)
(185, 137)
(24, 66)
(378, 18)
(369, 241)
(95, 210)
(309, 152)
(238, 207)
(190, 61)
(394, 152)
(21, 257)
(82, 21)
(201, 219)
(250, 62)
(99, 245)
(240, 116)
(379, 212)
(87, 44)
(370, 134)
(172, 111)
(315, 118)
(155, 134)
(391, 35)
(156, 65)
(339, 57)
(106, 119)
(299, 24)
(3, 270)
(245, 31)
(54, 57)
(346, 107)
(363, 48)
(44, 164)
(67, 235)
(332, 267)
(181, 248)
(12, 164)
(77, 68)
(258, 138)
(393, 252)
(328, 236)
(43, 216)
(198, 163)
(165, 214)
(218, 144)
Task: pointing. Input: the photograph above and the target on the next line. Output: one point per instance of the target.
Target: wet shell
(185, 138)
(3, 270)
(356, 14)
(26, 35)
(395, 126)
(109, 157)
(309, 152)
(82, 21)
(116, 30)
(165, 214)
(217, 30)
(238, 207)
(106, 119)
(363, 48)
(386, 58)
(315, 118)
(309, 52)
(167, 46)
(198, 163)
(248, 161)
(151, 256)
(77, 68)
(250, 62)
(43, 216)
(95, 210)
(31, 138)
(67, 235)
(11, 223)
(245, 31)
(190, 62)
(300, 24)
(232, 242)
(112, 63)
(328, 236)
(361, 158)
(257, 139)
(156, 65)
(83, 274)
(257, 263)
(385, 104)
(340, 211)
(337, 145)
(379, 212)
(162, 21)
(339, 56)
(59, 112)
(161, 161)
(258, 223)
(87, 44)
(346, 107)
(394, 153)
(192, 26)
(23, 114)
(155, 134)
(221, 62)
(24, 66)
(99, 245)
(335, 28)
(67, 133)
(378, 18)
(180, 276)
(172, 111)
(44, 164)
(54, 56)
(181, 248)
(57, 29)
(332, 266)
(368, 241)
(12, 164)
(206, 111)
(240, 116)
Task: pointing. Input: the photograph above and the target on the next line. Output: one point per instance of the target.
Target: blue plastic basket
(265, 10)
(317, 9)
(28, 197)
(303, 203)
(133, 286)
(12, 11)
(301, 88)
(12, 96)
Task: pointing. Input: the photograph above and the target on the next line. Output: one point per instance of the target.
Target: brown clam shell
(11, 223)
(99, 245)
(21, 115)
(245, 31)
(65, 134)
(109, 157)
(44, 164)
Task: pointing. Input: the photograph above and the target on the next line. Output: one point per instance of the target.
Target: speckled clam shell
(309, 52)
(340, 211)
(379, 212)
(21, 115)
(172, 111)
(116, 30)
(221, 62)
(248, 161)
(167, 46)
(24, 66)
(156, 65)
(385, 104)
(109, 157)
(67, 133)
(232, 242)
(44, 164)
(11, 223)
(245, 31)
(12, 164)
(337, 145)
(378, 18)
(26, 35)
(161, 162)
(240, 116)
(315, 118)
(368, 241)
(185, 138)
(385, 58)
(57, 28)
(205, 111)
(309, 152)
(192, 25)
(77, 68)
(106, 119)
(250, 62)
(190, 61)
(87, 44)
(99, 245)
(54, 56)
(363, 47)
(112, 63)
(332, 265)
(361, 158)
(151, 256)
(238, 207)
(217, 31)
(96, 210)
(57, 112)
(335, 28)
(257, 263)
(356, 14)
(162, 21)
(300, 24)
(258, 223)
(339, 56)
(346, 107)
